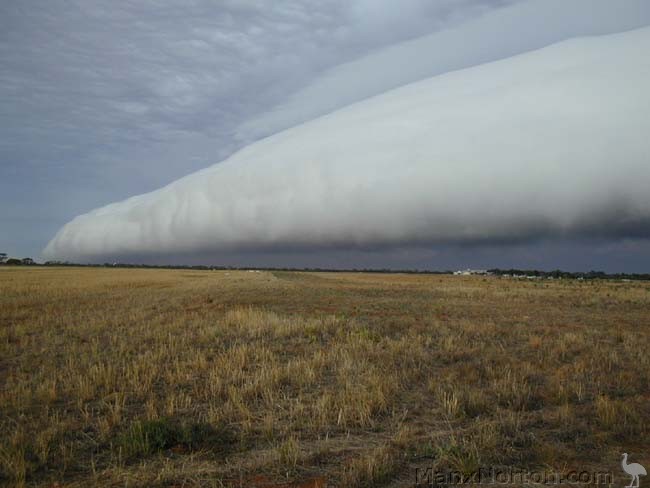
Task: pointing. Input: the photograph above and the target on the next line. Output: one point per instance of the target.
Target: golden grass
(115, 377)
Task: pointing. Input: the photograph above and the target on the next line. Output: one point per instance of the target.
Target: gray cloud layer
(552, 143)
(141, 73)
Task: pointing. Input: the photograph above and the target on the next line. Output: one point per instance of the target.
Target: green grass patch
(144, 438)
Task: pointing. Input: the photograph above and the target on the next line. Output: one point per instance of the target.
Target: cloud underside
(549, 144)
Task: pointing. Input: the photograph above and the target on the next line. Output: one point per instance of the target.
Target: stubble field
(125, 377)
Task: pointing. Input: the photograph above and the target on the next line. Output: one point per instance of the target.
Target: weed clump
(144, 438)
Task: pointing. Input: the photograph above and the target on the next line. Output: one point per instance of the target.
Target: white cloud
(549, 143)
(520, 27)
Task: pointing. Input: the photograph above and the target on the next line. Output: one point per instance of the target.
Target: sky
(104, 101)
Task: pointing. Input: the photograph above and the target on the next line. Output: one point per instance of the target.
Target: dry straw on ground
(112, 377)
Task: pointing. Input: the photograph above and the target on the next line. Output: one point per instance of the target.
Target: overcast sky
(103, 100)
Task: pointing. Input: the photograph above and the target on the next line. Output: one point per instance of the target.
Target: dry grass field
(124, 377)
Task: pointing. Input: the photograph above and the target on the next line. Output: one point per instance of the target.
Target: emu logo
(634, 470)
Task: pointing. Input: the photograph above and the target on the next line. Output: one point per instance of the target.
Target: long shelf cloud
(549, 143)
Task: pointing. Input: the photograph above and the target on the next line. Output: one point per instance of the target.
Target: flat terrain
(124, 377)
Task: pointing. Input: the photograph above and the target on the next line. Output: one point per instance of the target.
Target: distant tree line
(559, 274)
(4, 259)
(528, 273)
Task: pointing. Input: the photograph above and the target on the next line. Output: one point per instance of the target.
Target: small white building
(470, 272)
